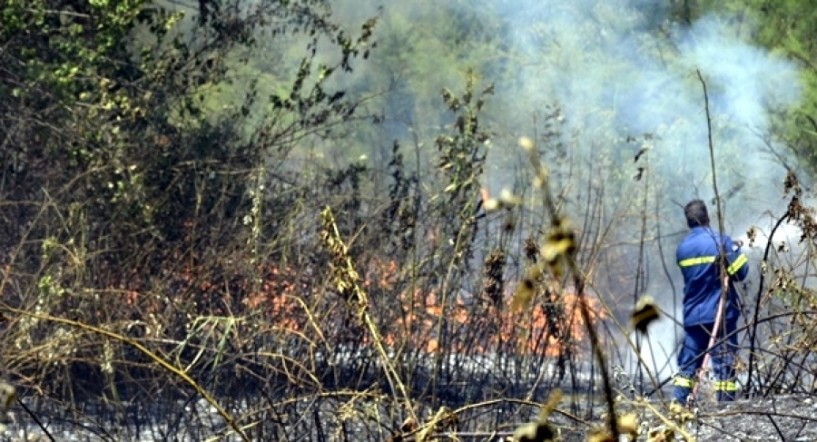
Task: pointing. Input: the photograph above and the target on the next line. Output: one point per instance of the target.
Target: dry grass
(419, 315)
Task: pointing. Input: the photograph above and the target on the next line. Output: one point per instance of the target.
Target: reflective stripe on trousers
(683, 382)
(730, 386)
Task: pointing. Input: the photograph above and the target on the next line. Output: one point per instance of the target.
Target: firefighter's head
(695, 212)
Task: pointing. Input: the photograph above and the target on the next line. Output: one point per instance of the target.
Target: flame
(474, 324)
(533, 332)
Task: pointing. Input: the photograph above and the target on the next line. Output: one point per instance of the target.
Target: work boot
(726, 390)
(683, 388)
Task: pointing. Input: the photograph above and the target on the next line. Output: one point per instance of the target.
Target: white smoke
(622, 69)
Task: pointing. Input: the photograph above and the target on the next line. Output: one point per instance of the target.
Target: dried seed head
(752, 235)
(524, 294)
(628, 424)
(526, 143)
(408, 425)
(491, 205)
(551, 404)
(534, 432)
(7, 396)
(645, 312)
(508, 199)
(531, 249)
(680, 413)
(599, 435)
(493, 271)
(661, 434)
(561, 241)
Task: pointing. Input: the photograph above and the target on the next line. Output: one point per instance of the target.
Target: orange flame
(548, 328)
(532, 332)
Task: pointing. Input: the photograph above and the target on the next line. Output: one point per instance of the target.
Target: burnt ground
(777, 418)
(784, 418)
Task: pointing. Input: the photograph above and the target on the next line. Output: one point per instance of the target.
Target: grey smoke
(622, 69)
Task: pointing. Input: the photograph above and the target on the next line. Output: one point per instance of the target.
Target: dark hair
(695, 212)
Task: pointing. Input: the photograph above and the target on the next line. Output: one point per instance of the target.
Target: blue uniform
(698, 257)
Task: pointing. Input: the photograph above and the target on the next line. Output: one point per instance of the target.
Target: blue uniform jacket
(697, 255)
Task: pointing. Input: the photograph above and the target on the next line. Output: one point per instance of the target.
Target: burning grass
(328, 330)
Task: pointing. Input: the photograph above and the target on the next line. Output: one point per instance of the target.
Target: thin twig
(722, 305)
(153, 356)
(755, 321)
(36, 419)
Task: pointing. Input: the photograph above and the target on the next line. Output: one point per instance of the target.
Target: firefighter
(698, 256)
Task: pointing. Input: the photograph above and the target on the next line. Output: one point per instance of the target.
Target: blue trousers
(690, 359)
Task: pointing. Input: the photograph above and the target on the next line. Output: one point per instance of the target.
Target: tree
(103, 106)
(123, 190)
(785, 28)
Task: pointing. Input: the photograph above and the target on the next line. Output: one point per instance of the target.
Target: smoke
(620, 71)
(617, 70)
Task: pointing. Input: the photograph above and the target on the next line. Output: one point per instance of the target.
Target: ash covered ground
(773, 418)
(784, 418)
(776, 418)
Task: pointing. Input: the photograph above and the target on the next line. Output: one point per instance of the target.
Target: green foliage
(107, 118)
(163, 169)
(142, 168)
(785, 27)
(462, 161)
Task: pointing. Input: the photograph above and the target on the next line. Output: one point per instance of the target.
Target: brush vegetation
(222, 219)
